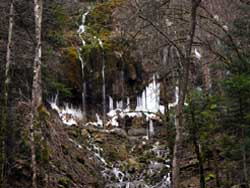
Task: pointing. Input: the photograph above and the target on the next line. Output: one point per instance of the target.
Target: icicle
(144, 101)
(128, 105)
(174, 104)
(151, 128)
(150, 99)
(197, 54)
(99, 121)
(103, 88)
(56, 98)
(111, 104)
(128, 185)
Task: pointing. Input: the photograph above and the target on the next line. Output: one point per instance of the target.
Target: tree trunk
(177, 149)
(216, 167)
(198, 150)
(206, 75)
(184, 81)
(243, 147)
(5, 94)
(37, 88)
(244, 160)
(37, 85)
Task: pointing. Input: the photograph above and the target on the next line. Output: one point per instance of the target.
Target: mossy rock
(100, 138)
(133, 163)
(115, 153)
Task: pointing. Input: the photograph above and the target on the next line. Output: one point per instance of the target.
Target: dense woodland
(125, 93)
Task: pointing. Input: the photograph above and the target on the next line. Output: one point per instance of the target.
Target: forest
(125, 94)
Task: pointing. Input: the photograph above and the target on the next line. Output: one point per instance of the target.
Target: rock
(119, 132)
(84, 133)
(100, 138)
(156, 166)
(137, 132)
(132, 72)
(239, 186)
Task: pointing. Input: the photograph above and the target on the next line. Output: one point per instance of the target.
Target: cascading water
(100, 43)
(80, 31)
(148, 106)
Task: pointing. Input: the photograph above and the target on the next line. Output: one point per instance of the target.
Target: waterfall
(82, 27)
(103, 82)
(83, 87)
(122, 81)
(80, 31)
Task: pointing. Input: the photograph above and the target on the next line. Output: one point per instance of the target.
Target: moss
(210, 176)
(133, 163)
(115, 153)
(43, 112)
(64, 183)
(99, 22)
(45, 154)
(101, 14)
(71, 54)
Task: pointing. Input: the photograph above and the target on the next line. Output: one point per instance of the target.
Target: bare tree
(6, 92)
(183, 85)
(37, 84)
